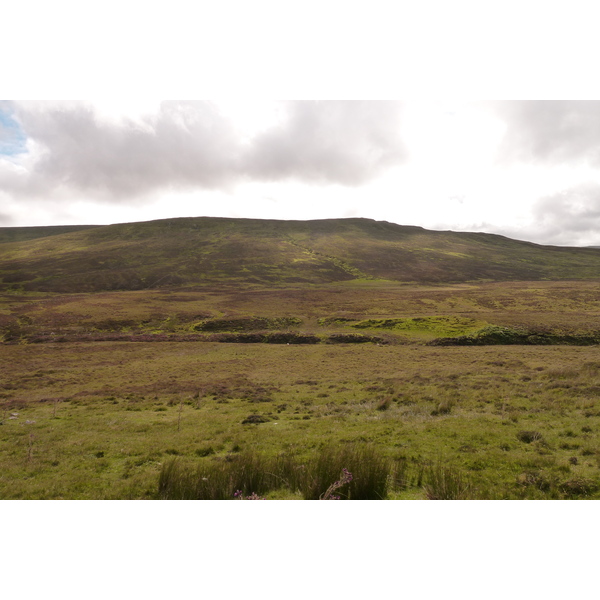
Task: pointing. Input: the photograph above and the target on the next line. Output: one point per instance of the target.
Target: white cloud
(550, 132)
(117, 155)
(505, 167)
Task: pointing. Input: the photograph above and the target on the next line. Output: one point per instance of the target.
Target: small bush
(529, 436)
(255, 420)
(579, 486)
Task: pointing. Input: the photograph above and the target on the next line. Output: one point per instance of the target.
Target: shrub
(529, 436)
(255, 420)
(579, 486)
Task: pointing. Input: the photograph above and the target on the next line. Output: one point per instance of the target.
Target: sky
(529, 170)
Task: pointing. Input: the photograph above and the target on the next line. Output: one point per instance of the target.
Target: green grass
(317, 478)
(104, 427)
(434, 326)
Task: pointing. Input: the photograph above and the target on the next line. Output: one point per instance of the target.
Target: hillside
(22, 234)
(207, 250)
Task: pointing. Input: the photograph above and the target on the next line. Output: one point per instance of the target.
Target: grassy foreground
(114, 419)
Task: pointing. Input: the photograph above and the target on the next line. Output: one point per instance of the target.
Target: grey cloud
(191, 144)
(184, 144)
(550, 131)
(336, 142)
(570, 215)
(6, 220)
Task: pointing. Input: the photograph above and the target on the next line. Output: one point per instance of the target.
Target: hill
(209, 251)
(22, 234)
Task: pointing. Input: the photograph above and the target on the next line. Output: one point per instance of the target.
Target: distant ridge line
(207, 251)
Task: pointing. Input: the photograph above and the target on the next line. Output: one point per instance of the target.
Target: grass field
(103, 419)
(207, 358)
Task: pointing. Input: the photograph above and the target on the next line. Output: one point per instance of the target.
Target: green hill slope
(206, 250)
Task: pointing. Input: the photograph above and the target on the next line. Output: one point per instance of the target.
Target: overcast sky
(529, 169)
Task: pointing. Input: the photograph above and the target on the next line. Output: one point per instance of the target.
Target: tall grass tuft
(399, 473)
(175, 483)
(445, 482)
(249, 472)
(216, 480)
(370, 472)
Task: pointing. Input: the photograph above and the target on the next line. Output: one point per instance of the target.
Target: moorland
(199, 357)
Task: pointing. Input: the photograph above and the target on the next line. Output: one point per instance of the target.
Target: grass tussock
(370, 470)
(217, 480)
(446, 482)
(314, 479)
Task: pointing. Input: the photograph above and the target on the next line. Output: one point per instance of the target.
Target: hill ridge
(191, 251)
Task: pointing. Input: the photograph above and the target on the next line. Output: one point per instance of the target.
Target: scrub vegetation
(228, 384)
